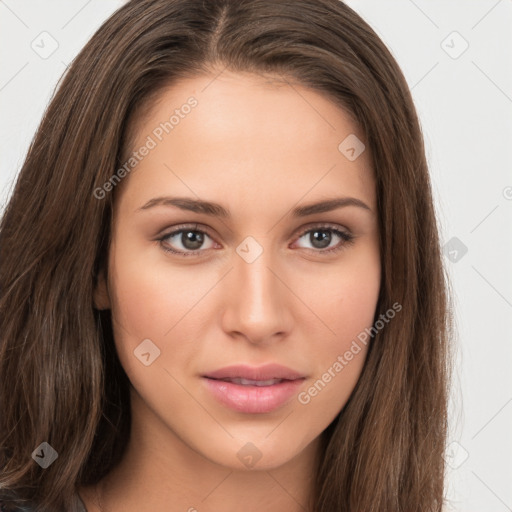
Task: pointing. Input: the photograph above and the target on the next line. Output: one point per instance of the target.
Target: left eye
(192, 240)
(322, 235)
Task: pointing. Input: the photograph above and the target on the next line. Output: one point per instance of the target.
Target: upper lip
(265, 372)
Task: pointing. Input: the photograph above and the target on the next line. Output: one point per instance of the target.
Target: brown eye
(321, 237)
(184, 241)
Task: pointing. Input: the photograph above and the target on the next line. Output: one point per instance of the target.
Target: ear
(101, 295)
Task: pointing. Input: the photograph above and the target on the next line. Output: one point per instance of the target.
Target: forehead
(252, 135)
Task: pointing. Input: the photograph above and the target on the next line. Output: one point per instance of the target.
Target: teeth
(247, 382)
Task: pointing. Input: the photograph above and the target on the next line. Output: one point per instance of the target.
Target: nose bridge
(256, 304)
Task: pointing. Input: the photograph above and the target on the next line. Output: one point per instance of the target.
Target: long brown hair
(61, 381)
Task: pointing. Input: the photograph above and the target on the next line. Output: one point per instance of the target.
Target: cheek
(344, 298)
(338, 361)
(347, 307)
(150, 295)
(157, 301)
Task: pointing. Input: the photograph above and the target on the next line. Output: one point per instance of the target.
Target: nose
(257, 303)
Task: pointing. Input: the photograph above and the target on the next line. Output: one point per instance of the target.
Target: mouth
(253, 390)
(265, 373)
(249, 382)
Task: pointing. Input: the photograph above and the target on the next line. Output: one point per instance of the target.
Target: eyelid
(180, 228)
(321, 225)
(347, 237)
(196, 226)
(341, 231)
(193, 226)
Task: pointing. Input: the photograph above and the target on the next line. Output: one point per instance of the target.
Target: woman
(221, 282)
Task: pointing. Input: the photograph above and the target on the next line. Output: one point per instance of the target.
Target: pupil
(192, 240)
(325, 240)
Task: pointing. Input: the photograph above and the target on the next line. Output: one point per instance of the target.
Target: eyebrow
(217, 210)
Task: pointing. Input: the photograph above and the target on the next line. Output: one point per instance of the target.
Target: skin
(259, 148)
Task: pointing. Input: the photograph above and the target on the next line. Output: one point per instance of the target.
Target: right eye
(190, 239)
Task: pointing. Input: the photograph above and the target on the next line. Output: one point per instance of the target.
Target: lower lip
(253, 399)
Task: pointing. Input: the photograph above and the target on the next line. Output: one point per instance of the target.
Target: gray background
(464, 99)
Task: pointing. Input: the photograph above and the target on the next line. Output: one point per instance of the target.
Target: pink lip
(253, 399)
(265, 372)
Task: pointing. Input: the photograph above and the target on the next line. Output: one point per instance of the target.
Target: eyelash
(347, 239)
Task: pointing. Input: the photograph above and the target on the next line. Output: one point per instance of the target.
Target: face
(259, 280)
